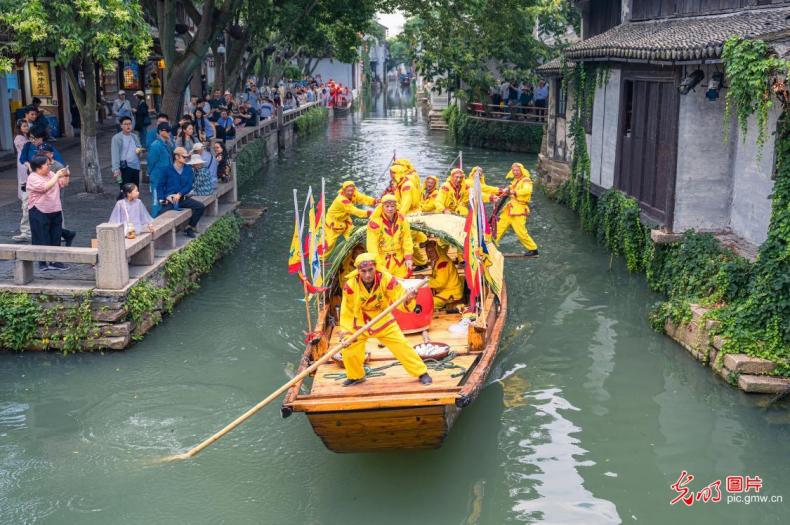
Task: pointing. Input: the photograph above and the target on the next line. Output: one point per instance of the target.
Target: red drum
(410, 322)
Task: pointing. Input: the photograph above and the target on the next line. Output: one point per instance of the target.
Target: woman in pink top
(44, 207)
(22, 136)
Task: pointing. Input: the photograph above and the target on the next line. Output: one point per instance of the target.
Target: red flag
(471, 268)
(310, 288)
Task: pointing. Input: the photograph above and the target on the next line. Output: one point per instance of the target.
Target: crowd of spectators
(185, 157)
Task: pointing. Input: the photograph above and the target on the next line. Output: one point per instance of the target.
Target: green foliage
(502, 135)
(313, 119)
(144, 298)
(248, 161)
(452, 43)
(757, 323)
(750, 67)
(19, 317)
(617, 225)
(83, 33)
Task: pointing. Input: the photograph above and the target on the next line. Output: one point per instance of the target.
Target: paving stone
(763, 384)
(745, 364)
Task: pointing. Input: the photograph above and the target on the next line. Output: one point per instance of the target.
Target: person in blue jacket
(30, 149)
(153, 132)
(175, 186)
(160, 156)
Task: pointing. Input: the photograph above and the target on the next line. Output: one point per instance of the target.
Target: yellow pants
(440, 299)
(397, 270)
(420, 257)
(519, 224)
(395, 341)
(331, 237)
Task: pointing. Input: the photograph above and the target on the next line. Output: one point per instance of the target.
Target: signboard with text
(40, 84)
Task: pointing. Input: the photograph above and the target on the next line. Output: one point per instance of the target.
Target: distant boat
(392, 410)
(343, 108)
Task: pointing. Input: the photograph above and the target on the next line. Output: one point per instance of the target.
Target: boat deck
(388, 381)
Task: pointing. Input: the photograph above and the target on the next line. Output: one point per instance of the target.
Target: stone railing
(114, 253)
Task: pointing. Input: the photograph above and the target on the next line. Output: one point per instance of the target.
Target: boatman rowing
(368, 292)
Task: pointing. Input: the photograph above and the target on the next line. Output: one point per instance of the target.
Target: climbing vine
(751, 73)
(19, 318)
(312, 119)
(501, 135)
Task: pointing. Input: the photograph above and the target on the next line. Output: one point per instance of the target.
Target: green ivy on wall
(501, 135)
(751, 67)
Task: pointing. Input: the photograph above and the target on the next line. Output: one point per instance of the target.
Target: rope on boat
(436, 365)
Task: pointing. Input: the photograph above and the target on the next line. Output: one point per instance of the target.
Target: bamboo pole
(300, 227)
(299, 377)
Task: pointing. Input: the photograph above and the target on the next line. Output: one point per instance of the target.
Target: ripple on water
(162, 419)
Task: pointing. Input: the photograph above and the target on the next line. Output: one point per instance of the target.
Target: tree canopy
(463, 43)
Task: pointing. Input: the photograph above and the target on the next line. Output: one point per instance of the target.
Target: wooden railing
(523, 114)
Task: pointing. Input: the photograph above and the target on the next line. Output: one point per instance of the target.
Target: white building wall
(753, 182)
(603, 141)
(703, 183)
(333, 70)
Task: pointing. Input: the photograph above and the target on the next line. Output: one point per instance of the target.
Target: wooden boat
(342, 109)
(392, 410)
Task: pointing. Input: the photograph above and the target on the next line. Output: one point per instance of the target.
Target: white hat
(121, 92)
(197, 145)
(139, 93)
(195, 159)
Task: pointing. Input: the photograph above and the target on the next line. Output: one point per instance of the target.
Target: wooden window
(561, 97)
(628, 107)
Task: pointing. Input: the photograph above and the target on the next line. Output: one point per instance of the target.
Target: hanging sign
(40, 85)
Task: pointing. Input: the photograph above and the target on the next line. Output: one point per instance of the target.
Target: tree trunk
(219, 70)
(233, 62)
(173, 90)
(91, 169)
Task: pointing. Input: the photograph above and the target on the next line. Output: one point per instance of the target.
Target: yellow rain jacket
(338, 216)
(428, 201)
(517, 210)
(359, 306)
(456, 200)
(390, 242)
(445, 282)
(486, 189)
(521, 193)
(407, 189)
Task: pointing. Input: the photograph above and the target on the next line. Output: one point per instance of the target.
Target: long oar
(307, 371)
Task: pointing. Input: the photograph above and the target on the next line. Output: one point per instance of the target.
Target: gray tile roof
(552, 67)
(682, 39)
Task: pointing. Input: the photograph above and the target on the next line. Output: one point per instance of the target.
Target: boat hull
(384, 429)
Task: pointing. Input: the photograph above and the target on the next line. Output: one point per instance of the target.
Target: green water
(588, 416)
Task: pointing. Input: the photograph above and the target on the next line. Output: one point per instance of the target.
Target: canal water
(588, 416)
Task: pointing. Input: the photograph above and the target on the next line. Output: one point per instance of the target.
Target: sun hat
(195, 159)
(181, 151)
(197, 146)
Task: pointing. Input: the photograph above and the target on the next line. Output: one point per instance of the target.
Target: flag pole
(323, 237)
(300, 225)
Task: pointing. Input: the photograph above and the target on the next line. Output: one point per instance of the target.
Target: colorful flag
(295, 253)
(314, 242)
(472, 267)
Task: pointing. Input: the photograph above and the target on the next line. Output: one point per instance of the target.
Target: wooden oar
(307, 371)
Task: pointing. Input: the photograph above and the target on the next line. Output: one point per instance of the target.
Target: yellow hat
(456, 170)
(524, 171)
(435, 179)
(388, 198)
(363, 258)
(405, 163)
(346, 184)
(398, 169)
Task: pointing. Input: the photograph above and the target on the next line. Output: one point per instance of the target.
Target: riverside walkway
(112, 262)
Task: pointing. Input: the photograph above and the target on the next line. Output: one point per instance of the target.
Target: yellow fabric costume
(487, 190)
(360, 305)
(445, 282)
(428, 201)
(407, 188)
(517, 208)
(338, 216)
(455, 200)
(390, 242)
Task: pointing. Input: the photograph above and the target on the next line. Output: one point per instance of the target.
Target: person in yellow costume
(487, 190)
(389, 238)
(367, 292)
(338, 216)
(407, 187)
(446, 285)
(428, 198)
(454, 194)
(517, 208)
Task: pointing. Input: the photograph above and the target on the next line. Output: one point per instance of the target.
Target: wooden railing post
(279, 117)
(112, 269)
